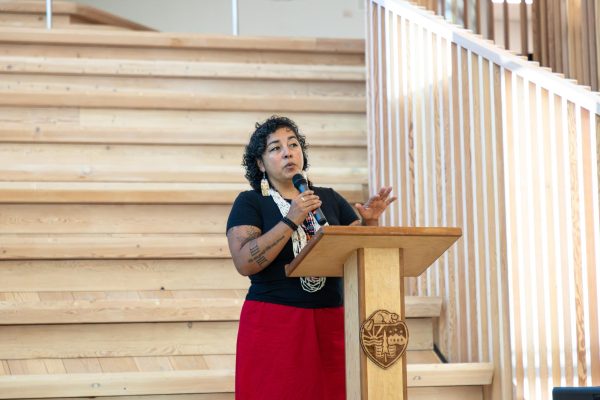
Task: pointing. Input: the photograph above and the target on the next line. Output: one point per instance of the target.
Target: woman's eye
(294, 145)
(274, 148)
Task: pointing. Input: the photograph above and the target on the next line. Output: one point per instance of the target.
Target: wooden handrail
(528, 70)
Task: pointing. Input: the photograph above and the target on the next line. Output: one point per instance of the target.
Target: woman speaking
(291, 335)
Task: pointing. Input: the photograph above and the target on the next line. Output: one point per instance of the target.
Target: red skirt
(289, 353)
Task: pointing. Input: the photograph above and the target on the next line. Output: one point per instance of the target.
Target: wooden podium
(373, 262)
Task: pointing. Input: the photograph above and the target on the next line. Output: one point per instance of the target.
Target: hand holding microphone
(308, 199)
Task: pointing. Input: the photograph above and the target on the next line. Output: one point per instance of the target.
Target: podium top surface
(326, 252)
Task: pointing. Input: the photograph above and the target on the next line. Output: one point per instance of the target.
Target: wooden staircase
(116, 178)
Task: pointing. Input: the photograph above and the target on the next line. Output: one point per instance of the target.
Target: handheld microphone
(302, 185)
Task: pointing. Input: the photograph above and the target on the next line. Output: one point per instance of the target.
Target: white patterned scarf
(310, 284)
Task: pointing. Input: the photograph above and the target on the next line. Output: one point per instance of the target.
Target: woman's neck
(287, 191)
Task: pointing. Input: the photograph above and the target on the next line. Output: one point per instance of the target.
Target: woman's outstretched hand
(375, 206)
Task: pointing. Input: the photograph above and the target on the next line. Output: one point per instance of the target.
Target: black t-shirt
(271, 285)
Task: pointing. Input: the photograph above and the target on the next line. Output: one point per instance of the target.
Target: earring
(264, 185)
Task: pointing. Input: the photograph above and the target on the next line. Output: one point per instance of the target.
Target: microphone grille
(298, 179)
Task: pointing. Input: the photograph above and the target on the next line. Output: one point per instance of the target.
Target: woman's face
(282, 158)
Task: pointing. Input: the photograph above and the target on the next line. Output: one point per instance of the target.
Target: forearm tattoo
(251, 234)
(258, 255)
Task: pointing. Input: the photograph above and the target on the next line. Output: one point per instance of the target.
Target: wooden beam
(597, 43)
(524, 29)
(135, 126)
(450, 374)
(197, 396)
(585, 31)
(552, 39)
(117, 340)
(143, 339)
(48, 276)
(183, 41)
(143, 192)
(113, 219)
(592, 23)
(14, 96)
(427, 379)
(153, 69)
(117, 384)
(423, 306)
(506, 24)
(124, 246)
(478, 19)
(222, 306)
(536, 20)
(491, 33)
(117, 311)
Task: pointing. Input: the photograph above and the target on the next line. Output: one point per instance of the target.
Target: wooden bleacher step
(175, 46)
(153, 69)
(141, 193)
(134, 126)
(64, 339)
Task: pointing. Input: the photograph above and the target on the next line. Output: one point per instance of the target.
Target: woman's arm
(252, 251)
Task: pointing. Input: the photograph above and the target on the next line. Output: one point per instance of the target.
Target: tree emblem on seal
(384, 338)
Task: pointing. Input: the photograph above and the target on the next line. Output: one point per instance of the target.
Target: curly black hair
(258, 143)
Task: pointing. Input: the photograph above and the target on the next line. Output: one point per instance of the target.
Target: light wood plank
(146, 192)
(111, 126)
(14, 96)
(352, 320)
(421, 246)
(43, 48)
(446, 393)
(120, 364)
(423, 306)
(155, 69)
(121, 85)
(182, 40)
(54, 366)
(117, 340)
(178, 309)
(214, 381)
(82, 365)
(198, 396)
(114, 219)
(381, 281)
(95, 275)
(450, 374)
(83, 160)
(15, 246)
(150, 364)
(188, 363)
(26, 367)
(422, 357)
(116, 384)
(114, 311)
(220, 361)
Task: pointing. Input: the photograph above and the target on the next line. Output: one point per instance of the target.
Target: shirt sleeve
(347, 213)
(245, 211)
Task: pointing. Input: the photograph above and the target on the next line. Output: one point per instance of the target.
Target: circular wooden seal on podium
(384, 338)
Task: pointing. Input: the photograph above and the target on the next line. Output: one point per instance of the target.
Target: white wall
(296, 18)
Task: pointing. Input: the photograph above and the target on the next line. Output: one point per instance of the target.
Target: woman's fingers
(303, 204)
